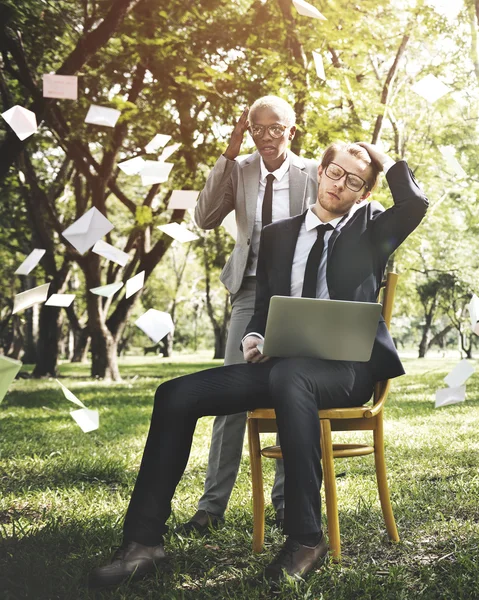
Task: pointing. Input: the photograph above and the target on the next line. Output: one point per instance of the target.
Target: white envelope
(70, 395)
(449, 155)
(132, 166)
(157, 142)
(27, 299)
(155, 324)
(308, 10)
(473, 307)
(319, 65)
(135, 284)
(107, 290)
(60, 86)
(183, 199)
(168, 151)
(62, 300)
(21, 120)
(9, 368)
(430, 88)
(85, 233)
(450, 396)
(111, 253)
(178, 232)
(102, 115)
(30, 262)
(87, 419)
(229, 223)
(460, 374)
(155, 172)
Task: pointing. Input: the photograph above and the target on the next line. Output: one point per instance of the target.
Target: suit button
(248, 242)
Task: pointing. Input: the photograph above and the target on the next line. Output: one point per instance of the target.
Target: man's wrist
(253, 334)
(387, 164)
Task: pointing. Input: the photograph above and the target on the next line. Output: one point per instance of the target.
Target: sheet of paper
(473, 307)
(155, 172)
(21, 120)
(9, 368)
(460, 374)
(308, 10)
(87, 230)
(30, 262)
(229, 223)
(183, 199)
(135, 284)
(27, 299)
(168, 151)
(178, 232)
(62, 300)
(111, 253)
(88, 420)
(155, 324)
(60, 86)
(157, 142)
(449, 155)
(450, 396)
(132, 166)
(107, 290)
(319, 65)
(102, 115)
(70, 395)
(430, 88)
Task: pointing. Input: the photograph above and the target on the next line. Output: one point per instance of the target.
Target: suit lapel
(251, 177)
(287, 245)
(298, 183)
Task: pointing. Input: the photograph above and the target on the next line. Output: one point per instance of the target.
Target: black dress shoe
(279, 519)
(296, 560)
(201, 522)
(130, 561)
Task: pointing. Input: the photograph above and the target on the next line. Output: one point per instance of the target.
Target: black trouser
(294, 387)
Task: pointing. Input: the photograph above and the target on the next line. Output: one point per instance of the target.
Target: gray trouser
(228, 431)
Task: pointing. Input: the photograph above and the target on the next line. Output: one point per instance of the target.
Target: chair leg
(257, 484)
(330, 489)
(383, 488)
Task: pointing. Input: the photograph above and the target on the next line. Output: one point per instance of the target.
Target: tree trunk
(104, 354)
(220, 342)
(48, 342)
(81, 346)
(424, 343)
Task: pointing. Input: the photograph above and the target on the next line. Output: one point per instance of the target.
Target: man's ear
(292, 132)
(320, 171)
(363, 197)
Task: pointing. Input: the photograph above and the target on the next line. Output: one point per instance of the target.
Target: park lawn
(64, 494)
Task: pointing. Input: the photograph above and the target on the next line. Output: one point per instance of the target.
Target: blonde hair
(283, 109)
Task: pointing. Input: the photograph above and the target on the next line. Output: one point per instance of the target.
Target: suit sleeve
(217, 198)
(263, 291)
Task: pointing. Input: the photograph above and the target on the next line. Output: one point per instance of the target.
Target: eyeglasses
(275, 131)
(353, 182)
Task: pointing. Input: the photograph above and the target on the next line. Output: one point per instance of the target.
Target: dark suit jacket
(357, 259)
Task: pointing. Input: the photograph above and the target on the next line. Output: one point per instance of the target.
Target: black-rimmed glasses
(275, 131)
(353, 182)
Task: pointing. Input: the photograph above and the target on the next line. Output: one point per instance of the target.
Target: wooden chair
(337, 419)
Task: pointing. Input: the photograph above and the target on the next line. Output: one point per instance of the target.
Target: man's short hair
(283, 109)
(358, 152)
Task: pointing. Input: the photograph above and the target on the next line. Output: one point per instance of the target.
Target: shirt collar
(279, 173)
(312, 220)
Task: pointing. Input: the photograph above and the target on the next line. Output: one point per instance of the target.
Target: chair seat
(355, 412)
(339, 451)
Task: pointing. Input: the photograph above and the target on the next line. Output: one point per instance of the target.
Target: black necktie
(312, 266)
(267, 209)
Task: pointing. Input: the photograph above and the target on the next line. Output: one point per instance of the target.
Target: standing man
(270, 184)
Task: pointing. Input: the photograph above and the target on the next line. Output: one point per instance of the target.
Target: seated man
(338, 249)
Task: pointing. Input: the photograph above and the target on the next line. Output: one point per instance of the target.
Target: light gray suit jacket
(233, 185)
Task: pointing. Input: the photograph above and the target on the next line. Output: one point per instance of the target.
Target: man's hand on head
(237, 136)
(250, 350)
(377, 155)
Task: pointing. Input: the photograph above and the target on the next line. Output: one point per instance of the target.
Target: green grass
(64, 493)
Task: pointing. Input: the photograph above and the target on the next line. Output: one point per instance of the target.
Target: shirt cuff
(388, 164)
(258, 335)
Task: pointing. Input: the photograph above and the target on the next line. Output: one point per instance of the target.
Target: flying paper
(183, 199)
(9, 368)
(101, 115)
(62, 300)
(430, 88)
(30, 297)
(135, 284)
(70, 395)
(308, 10)
(318, 63)
(168, 151)
(107, 290)
(450, 395)
(178, 232)
(155, 172)
(84, 233)
(30, 262)
(157, 142)
(87, 419)
(60, 86)
(132, 166)
(473, 307)
(21, 120)
(229, 223)
(460, 374)
(155, 324)
(449, 155)
(111, 253)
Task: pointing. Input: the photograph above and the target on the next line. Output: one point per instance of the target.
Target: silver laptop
(329, 329)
